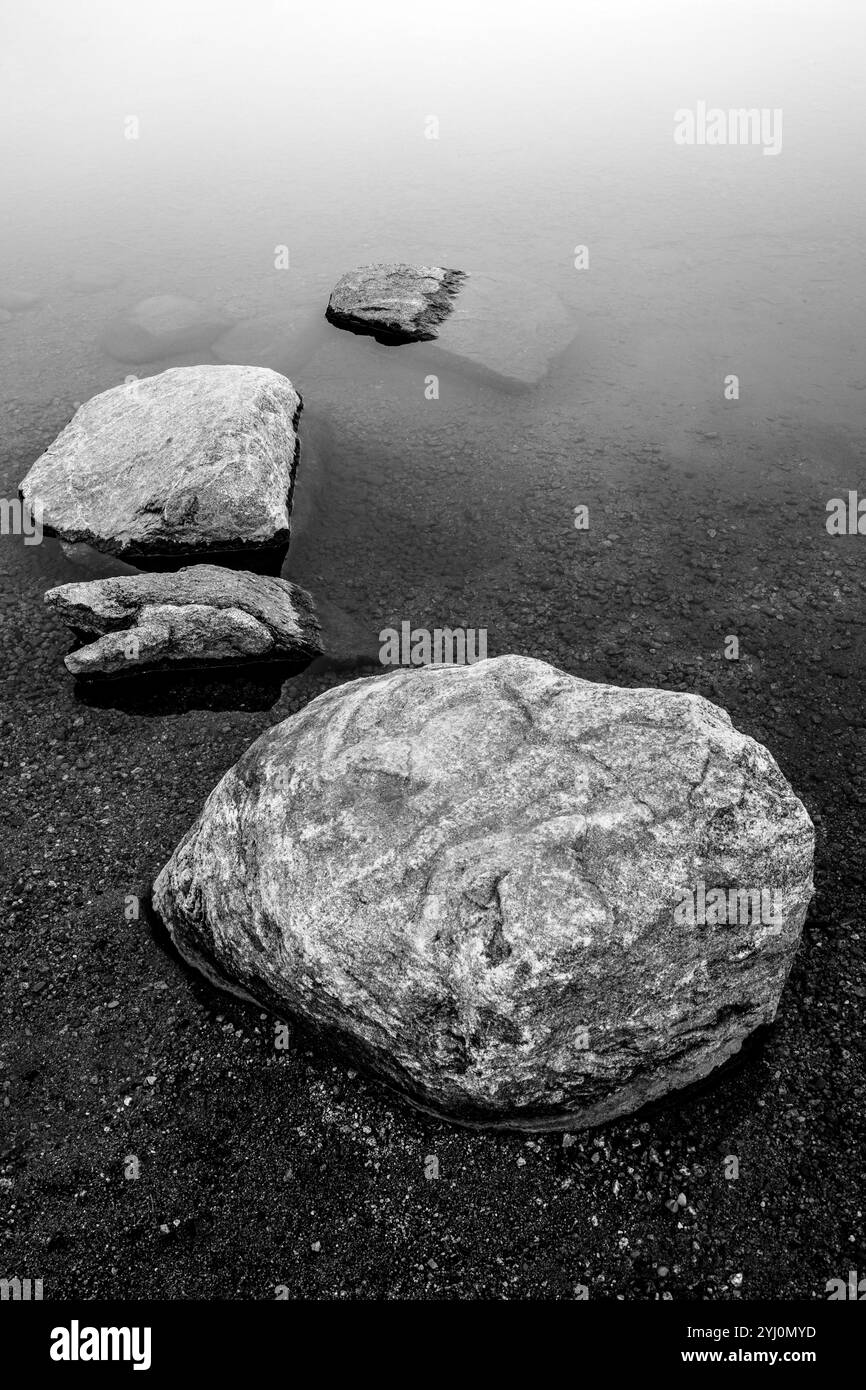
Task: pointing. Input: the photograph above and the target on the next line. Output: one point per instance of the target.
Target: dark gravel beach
(261, 1169)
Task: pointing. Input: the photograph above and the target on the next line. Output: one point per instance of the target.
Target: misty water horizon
(261, 126)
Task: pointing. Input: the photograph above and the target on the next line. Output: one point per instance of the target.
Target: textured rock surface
(469, 877)
(394, 302)
(160, 327)
(198, 615)
(498, 327)
(194, 460)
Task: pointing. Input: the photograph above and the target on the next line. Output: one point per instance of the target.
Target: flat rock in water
(498, 327)
(475, 879)
(195, 460)
(160, 327)
(196, 616)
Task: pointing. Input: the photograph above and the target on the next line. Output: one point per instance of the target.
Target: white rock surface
(191, 461)
(471, 878)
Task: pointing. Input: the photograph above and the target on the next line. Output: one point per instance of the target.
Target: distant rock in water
(394, 303)
(161, 327)
(16, 301)
(193, 461)
(500, 328)
(197, 616)
(477, 880)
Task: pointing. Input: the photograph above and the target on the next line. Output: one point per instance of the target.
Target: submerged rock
(196, 616)
(473, 879)
(284, 341)
(504, 330)
(497, 327)
(159, 327)
(196, 460)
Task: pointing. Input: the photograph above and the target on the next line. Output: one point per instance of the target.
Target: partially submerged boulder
(500, 328)
(161, 326)
(473, 880)
(197, 616)
(196, 460)
(394, 303)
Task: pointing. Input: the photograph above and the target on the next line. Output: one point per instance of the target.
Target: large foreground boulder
(197, 616)
(477, 879)
(195, 460)
(497, 327)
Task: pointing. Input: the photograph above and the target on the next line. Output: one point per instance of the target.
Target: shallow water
(702, 261)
